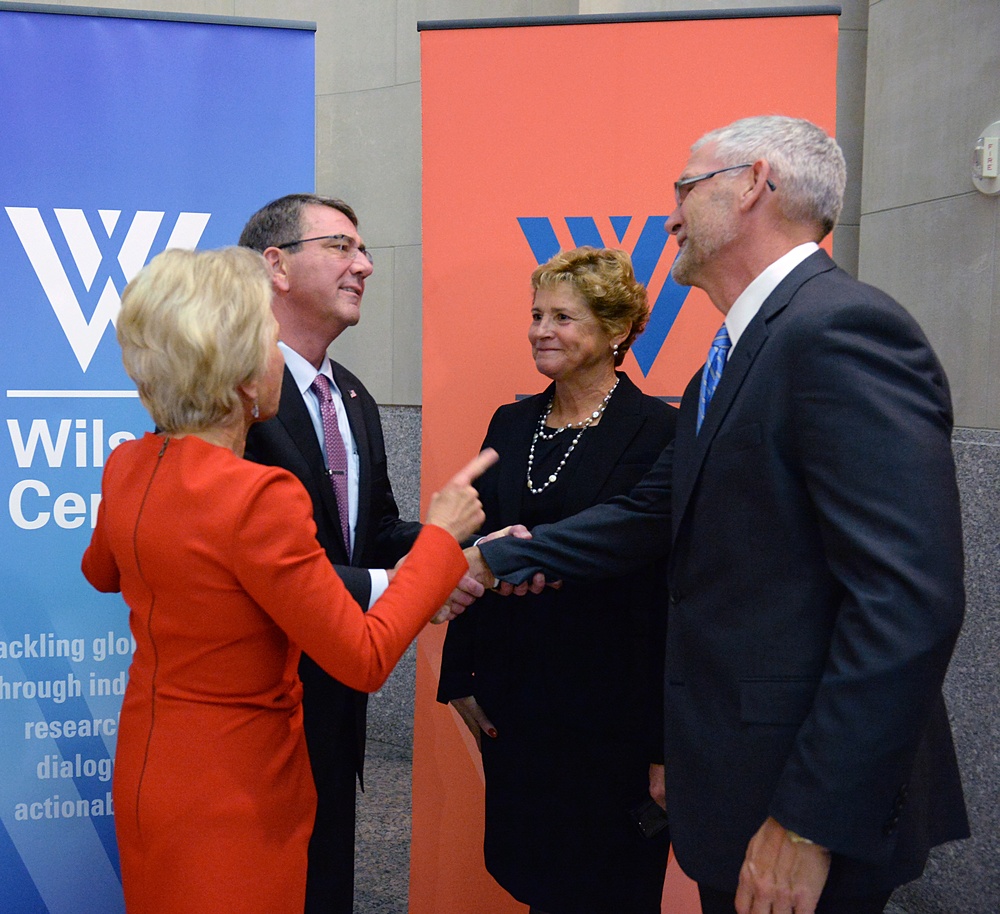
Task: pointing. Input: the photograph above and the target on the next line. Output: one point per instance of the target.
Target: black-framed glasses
(342, 245)
(683, 187)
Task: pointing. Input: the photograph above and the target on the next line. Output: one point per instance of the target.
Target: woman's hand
(658, 785)
(456, 506)
(477, 722)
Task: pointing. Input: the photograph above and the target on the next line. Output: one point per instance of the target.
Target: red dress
(218, 562)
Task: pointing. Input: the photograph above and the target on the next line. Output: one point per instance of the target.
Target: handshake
(480, 578)
(456, 508)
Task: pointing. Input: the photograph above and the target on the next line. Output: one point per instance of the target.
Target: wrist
(491, 581)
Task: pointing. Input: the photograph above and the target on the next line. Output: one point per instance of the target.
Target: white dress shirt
(745, 307)
(304, 374)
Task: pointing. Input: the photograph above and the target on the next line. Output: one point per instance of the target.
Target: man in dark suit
(809, 516)
(319, 265)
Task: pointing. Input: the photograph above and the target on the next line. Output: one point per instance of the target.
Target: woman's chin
(546, 367)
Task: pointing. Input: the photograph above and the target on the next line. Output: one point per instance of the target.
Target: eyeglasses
(342, 245)
(683, 187)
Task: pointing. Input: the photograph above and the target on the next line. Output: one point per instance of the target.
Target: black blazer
(816, 588)
(381, 538)
(593, 670)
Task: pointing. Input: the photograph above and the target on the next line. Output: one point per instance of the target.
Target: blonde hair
(193, 326)
(605, 280)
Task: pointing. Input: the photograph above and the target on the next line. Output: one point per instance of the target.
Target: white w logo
(91, 257)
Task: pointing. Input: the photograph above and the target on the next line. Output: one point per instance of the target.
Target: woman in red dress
(217, 560)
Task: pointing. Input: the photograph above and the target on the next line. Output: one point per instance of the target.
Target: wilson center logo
(102, 263)
(649, 246)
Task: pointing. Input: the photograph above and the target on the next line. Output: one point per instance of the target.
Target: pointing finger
(475, 467)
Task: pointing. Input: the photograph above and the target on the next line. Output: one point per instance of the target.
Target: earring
(614, 350)
(255, 410)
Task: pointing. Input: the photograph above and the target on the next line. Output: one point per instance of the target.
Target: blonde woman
(217, 560)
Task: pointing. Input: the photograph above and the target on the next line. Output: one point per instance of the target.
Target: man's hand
(478, 568)
(482, 573)
(477, 722)
(471, 587)
(779, 875)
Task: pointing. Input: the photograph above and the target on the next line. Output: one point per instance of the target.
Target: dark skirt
(559, 834)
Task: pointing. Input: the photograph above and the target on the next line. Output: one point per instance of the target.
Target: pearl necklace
(544, 435)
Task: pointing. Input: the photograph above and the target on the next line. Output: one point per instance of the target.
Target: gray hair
(807, 165)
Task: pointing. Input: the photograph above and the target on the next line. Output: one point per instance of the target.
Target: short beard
(702, 246)
(685, 269)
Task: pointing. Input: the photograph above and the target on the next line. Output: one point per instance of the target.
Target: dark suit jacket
(501, 648)
(816, 588)
(381, 538)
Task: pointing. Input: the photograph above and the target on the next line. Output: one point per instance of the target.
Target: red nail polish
(492, 733)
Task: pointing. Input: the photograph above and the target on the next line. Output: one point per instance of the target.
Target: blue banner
(121, 137)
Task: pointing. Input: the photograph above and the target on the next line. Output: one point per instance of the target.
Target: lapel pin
(354, 393)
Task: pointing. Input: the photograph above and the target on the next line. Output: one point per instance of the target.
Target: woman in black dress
(563, 689)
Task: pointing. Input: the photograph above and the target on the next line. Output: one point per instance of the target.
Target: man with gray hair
(808, 514)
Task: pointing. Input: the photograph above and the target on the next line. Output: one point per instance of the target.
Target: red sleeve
(99, 566)
(278, 561)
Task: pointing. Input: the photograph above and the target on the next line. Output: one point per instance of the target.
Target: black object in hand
(649, 817)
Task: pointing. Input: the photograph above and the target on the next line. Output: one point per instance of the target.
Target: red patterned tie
(336, 454)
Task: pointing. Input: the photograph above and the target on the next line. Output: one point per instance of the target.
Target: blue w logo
(652, 240)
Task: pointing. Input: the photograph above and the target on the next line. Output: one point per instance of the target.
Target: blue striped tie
(713, 371)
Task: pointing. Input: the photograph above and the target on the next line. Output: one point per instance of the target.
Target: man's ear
(760, 173)
(278, 265)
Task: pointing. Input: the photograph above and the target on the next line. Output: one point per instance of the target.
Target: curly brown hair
(605, 280)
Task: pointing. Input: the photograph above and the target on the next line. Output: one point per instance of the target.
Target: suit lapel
(691, 449)
(601, 452)
(295, 419)
(514, 449)
(356, 419)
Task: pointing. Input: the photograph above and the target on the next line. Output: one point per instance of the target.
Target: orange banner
(537, 138)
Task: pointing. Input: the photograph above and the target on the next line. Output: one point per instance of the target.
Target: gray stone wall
(928, 237)
(964, 877)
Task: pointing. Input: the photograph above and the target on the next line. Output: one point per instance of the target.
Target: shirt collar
(303, 371)
(745, 307)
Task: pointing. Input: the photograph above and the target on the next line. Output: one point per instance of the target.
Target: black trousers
(332, 739)
(716, 902)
